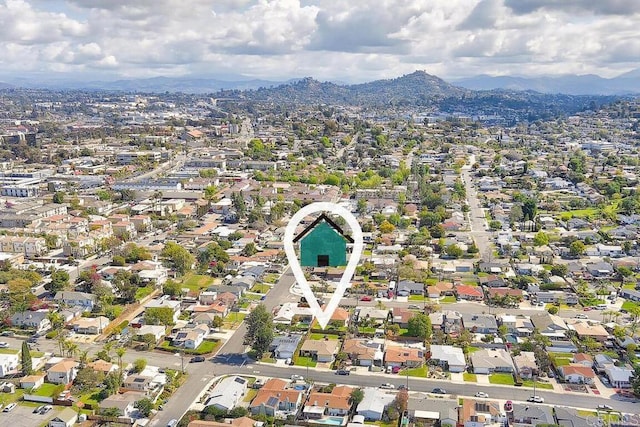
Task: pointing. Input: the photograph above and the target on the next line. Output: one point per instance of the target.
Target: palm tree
(120, 351)
(84, 355)
(72, 348)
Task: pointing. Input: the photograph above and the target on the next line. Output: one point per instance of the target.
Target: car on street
(297, 377)
(197, 359)
(481, 394)
(4, 344)
(414, 307)
(10, 407)
(46, 409)
(387, 386)
(38, 409)
(605, 407)
(581, 316)
(342, 372)
(439, 390)
(536, 399)
(172, 423)
(366, 298)
(587, 308)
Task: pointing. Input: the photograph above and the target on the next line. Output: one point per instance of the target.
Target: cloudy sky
(340, 40)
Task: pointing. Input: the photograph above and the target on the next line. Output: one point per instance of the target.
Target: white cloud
(328, 39)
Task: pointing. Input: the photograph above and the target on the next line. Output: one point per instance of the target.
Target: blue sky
(341, 40)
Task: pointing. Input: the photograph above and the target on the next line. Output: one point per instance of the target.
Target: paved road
(477, 220)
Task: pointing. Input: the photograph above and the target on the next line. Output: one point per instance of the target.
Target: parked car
(395, 369)
(172, 423)
(10, 407)
(38, 409)
(4, 344)
(605, 407)
(482, 394)
(581, 316)
(387, 386)
(439, 390)
(196, 359)
(342, 372)
(366, 298)
(46, 409)
(536, 399)
(413, 307)
(297, 378)
(587, 308)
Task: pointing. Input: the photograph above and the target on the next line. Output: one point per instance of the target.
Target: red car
(587, 309)
(366, 298)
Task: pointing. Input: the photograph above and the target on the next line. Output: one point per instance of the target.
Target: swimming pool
(329, 421)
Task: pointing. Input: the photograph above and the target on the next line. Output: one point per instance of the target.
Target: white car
(481, 394)
(297, 377)
(536, 399)
(10, 407)
(3, 344)
(387, 386)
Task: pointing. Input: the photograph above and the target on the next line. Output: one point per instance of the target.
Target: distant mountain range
(588, 84)
(625, 84)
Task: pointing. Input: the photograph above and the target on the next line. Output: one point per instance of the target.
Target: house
(63, 372)
(228, 393)
(335, 404)
(587, 330)
(236, 422)
(549, 325)
(480, 323)
(488, 361)
(600, 269)
(284, 347)
(619, 377)
(469, 293)
(31, 382)
(406, 357)
(320, 350)
(65, 418)
(124, 403)
(157, 331)
(481, 413)
(448, 357)
(103, 366)
(526, 365)
(423, 409)
(274, 399)
(89, 325)
(9, 364)
(440, 289)
(323, 244)
(630, 294)
(533, 415)
(409, 287)
(492, 281)
(75, 299)
(139, 383)
(583, 359)
(37, 320)
(374, 403)
(191, 338)
(577, 374)
(375, 315)
(401, 316)
(291, 312)
(601, 362)
(363, 353)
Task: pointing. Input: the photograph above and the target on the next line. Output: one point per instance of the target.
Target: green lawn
(629, 305)
(544, 386)
(304, 361)
(206, 347)
(318, 337)
(260, 288)
(9, 351)
(252, 297)
(469, 377)
(472, 349)
(420, 372)
(48, 390)
(504, 379)
(251, 393)
(143, 292)
(449, 299)
(90, 398)
(416, 298)
(6, 398)
(233, 319)
(561, 361)
(196, 282)
(271, 278)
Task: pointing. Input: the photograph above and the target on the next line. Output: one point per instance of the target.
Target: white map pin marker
(323, 316)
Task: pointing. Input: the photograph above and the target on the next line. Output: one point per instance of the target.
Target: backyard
(195, 282)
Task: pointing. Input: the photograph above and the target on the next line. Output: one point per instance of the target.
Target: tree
(145, 406)
(576, 248)
(139, 365)
(356, 397)
(559, 270)
(238, 412)
(178, 257)
(172, 288)
(87, 379)
(259, 329)
(159, 316)
(27, 363)
(420, 326)
(249, 250)
(59, 281)
(635, 381)
(553, 310)
(120, 352)
(454, 251)
(386, 227)
(529, 209)
(540, 239)
(217, 322)
(58, 197)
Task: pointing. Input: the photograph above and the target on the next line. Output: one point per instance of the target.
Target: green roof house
(323, 244)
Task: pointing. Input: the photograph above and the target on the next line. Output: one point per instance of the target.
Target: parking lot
(23, 416)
